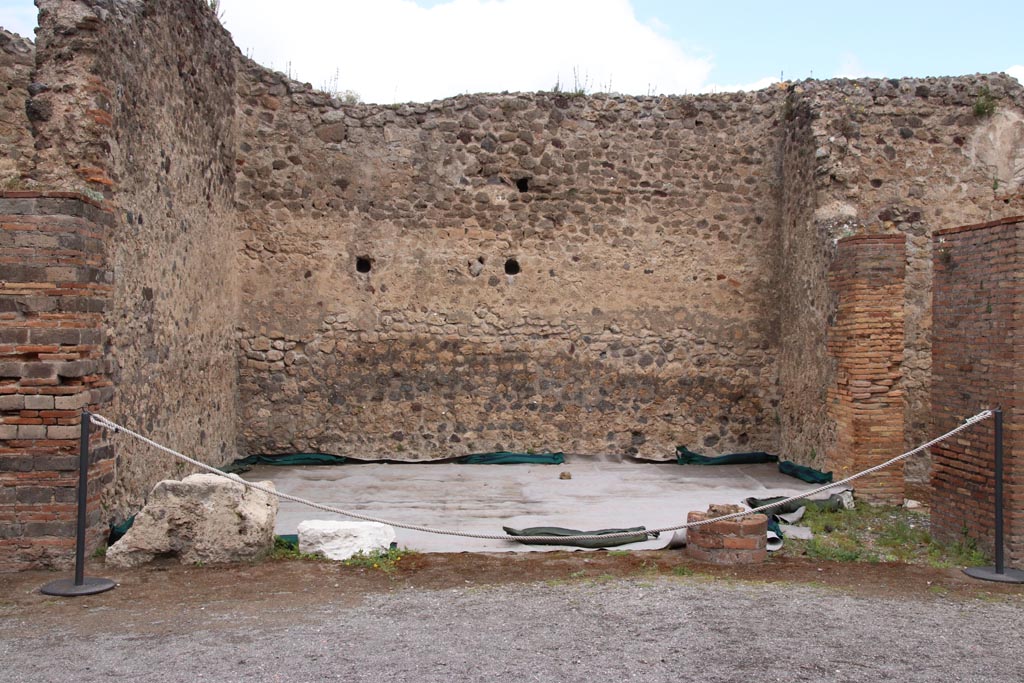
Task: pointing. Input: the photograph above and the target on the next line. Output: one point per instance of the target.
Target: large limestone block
(204, 518)
(342, 540)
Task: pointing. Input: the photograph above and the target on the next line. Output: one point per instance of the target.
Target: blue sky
(401, 50)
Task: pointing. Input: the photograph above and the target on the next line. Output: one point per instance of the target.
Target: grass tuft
(386, 561)
(880, 534)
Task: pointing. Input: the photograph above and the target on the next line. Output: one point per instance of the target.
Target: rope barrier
(117, 428)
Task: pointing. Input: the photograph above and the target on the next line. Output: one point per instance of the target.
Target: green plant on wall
(331, 87)
(985, 105)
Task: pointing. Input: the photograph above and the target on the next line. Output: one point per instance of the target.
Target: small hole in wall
(512, 267)
(523, 184)
(363, 264)
(308, 274)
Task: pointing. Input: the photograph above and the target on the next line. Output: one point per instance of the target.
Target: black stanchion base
(989, 574)
(67, 588)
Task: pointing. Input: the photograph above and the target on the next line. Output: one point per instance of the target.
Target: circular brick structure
(736, 541)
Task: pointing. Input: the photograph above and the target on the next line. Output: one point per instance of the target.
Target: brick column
(866, 341)
(978, 363)
(55, 287)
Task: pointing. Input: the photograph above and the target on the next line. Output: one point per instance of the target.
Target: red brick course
(977, 364)
(738, 541)
(866, 341)
(55, 287)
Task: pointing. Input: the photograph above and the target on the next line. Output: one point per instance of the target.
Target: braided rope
(117, 428)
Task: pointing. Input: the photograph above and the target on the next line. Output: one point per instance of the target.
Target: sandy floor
(483, 498)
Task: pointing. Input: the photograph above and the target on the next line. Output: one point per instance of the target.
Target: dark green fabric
(808, 474)
(685, 456)
(506, 458)
(284, 460)
(119, 530)
(641, 535)
(295, 459)
(832, 504)
(773, 525)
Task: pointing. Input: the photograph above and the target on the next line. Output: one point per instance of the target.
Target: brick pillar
(866, 341)
(978, 363)
(55, 287)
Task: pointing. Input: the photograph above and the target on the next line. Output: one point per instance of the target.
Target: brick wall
(866, 341)
(977, 364)
(55, 287)
(911, 156)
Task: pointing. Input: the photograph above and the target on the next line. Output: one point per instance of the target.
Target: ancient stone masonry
(55, 287)
(520, 272)
(804, 252)
(978, 363)
(911, 156)
(134, 102)
(866, 339)
(602, 274)
(16, 59)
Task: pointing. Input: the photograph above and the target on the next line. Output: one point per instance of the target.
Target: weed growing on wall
(985, 105)
(330, 86)
(216, 8)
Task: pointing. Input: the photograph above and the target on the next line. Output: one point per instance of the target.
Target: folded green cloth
(506, 458)
(283, 460)
(685, 456)
(808, 474)
(640, 535)
(832, 504)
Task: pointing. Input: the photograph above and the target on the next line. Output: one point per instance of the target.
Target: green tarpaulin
(505, 458)
(119, 530)
(284, 460)
(640, 535)
(685, 456)
(808, 474)
(296, 459)
(831, 504)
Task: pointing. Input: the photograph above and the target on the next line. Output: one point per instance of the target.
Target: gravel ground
(652, 629)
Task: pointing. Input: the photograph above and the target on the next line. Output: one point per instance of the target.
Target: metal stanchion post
(81, 584)
(999, 572)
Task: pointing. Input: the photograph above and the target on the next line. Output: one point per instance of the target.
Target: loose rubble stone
(342, 540)
(204, 518)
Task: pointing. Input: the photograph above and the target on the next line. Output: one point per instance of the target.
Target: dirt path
(536, 616)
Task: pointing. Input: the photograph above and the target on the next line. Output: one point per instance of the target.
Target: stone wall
(430, 197)
(805, 303)
(511, 271)
(910, 156)
(55, 288)
(17, 56)
(134, 102)
(978, 364)
(637, 316)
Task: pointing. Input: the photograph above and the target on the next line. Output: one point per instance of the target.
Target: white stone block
(342, 540)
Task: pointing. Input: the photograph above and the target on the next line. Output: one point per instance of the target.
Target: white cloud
(1017, 72)
(850, 66)
(395, 51)
(759, 84)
